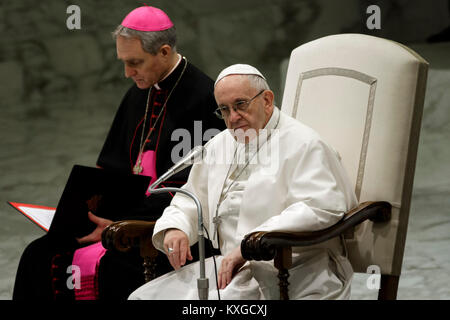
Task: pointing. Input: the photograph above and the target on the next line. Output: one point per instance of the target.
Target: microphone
(197, 153)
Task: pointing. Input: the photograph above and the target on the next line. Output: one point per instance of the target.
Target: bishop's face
(235, 89)
(144, 68)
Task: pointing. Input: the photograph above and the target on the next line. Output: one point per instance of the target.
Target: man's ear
(165, 50)
(268, 96)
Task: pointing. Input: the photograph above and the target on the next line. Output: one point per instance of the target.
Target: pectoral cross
(137, 169)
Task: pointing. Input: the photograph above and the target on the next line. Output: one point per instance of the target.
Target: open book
(42, 216)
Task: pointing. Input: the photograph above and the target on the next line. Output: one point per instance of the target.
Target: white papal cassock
(286, 180)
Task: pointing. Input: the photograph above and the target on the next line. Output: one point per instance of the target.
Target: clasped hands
(180, 251)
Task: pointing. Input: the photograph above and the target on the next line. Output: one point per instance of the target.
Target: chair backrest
(364, 95)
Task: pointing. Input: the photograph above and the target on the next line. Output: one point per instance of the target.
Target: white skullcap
(238, 69)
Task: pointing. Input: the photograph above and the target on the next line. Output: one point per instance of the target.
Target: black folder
(106, 193)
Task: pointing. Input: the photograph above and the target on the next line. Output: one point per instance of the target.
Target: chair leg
(283, 261)
(388, 287)
(149, 254)
(283, 275)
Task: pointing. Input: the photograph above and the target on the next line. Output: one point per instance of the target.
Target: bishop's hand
(96, 235)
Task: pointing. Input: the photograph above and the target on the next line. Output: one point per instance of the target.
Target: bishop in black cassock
(145, 121)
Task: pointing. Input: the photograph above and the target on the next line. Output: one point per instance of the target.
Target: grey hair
(151, 40)
(257, 82)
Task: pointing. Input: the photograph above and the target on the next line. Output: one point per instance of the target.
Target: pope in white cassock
(266, 172)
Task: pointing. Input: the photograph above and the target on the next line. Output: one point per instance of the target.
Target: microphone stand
(202, 281)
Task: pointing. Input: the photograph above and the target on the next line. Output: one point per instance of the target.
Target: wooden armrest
(263, 245)
(124, 235)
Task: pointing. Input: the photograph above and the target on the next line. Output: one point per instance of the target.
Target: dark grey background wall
(45, 60)
(60, 89)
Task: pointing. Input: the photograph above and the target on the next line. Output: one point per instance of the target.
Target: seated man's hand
(178, 242)
(229, 266)
(96, 235)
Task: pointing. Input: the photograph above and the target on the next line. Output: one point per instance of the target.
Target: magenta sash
(88, 260)
(148, 163)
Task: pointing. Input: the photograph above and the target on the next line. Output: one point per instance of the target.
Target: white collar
(273, 121)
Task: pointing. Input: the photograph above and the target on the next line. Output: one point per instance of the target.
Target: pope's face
(236, 88)
(144, 68)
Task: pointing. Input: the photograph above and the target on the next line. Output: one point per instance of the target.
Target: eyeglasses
(223, 112)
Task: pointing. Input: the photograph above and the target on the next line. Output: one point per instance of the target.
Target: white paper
(43, 217)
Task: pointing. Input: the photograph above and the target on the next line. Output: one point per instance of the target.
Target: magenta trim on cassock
(87, 261)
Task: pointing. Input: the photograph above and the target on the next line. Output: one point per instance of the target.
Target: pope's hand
(229, 266)
(176, 246)
(96, 235)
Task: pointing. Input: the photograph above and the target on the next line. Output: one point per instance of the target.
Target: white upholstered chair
(364, 95)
